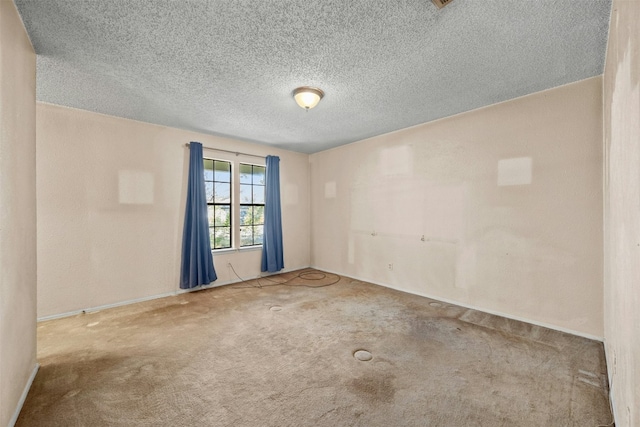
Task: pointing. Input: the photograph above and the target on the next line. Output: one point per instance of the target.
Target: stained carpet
(263, 354)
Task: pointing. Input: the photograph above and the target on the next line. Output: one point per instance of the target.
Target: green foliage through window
(217, 181)
(252, 187)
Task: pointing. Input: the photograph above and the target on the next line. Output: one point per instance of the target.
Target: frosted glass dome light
(307, 97)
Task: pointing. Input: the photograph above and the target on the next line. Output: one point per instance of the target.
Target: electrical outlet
(390, 266)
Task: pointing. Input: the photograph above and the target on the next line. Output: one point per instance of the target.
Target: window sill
(231, 250)
(250, 248)
(223, 251)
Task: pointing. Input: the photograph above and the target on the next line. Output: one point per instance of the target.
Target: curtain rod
(237, 153)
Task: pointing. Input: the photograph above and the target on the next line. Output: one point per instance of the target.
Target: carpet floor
(260, 353)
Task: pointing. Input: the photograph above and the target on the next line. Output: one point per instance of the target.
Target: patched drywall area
(111, 200)
(498, 209)
(17, 212)
(622, 211)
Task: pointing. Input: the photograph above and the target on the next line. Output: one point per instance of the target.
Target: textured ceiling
(228, 67)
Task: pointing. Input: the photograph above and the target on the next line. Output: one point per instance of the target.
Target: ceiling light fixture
(307, 97)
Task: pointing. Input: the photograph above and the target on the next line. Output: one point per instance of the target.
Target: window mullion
(235, 201)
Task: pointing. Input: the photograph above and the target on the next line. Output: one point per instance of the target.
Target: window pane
(222, 171)
(258, 215)
(222, 237)
(246, 215)
(208, 187)
(245, 174)
(258, 194)
(257, 235)
(211, 215)
(208, 170)
(222, 192)
(246, 236)
(212, 236)
(222, 216)
(245, 193)
(258, 175)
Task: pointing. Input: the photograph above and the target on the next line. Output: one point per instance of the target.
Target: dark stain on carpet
(375, 388)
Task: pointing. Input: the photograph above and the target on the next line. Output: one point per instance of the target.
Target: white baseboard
(23, 397)
(104, 307)
(152, 297)
(472, 307)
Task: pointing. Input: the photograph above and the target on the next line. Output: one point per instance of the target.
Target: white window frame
(235, 161)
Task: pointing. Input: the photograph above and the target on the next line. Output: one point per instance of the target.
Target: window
(217, 181)
(235, 195)
(251, 204)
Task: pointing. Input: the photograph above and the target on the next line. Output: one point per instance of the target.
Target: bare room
(294, 213)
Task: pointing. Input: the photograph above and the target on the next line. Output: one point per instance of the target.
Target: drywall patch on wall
(330, 190)
(384, 206)
(515, 171)
(396, 160)
(135, 187)
(290, 194)
(409, 207)
(466, 267)
(443, 212)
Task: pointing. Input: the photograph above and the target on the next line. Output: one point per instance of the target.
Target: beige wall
(622, 211)
(93, 248)
(508, 199)
(17, 212)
